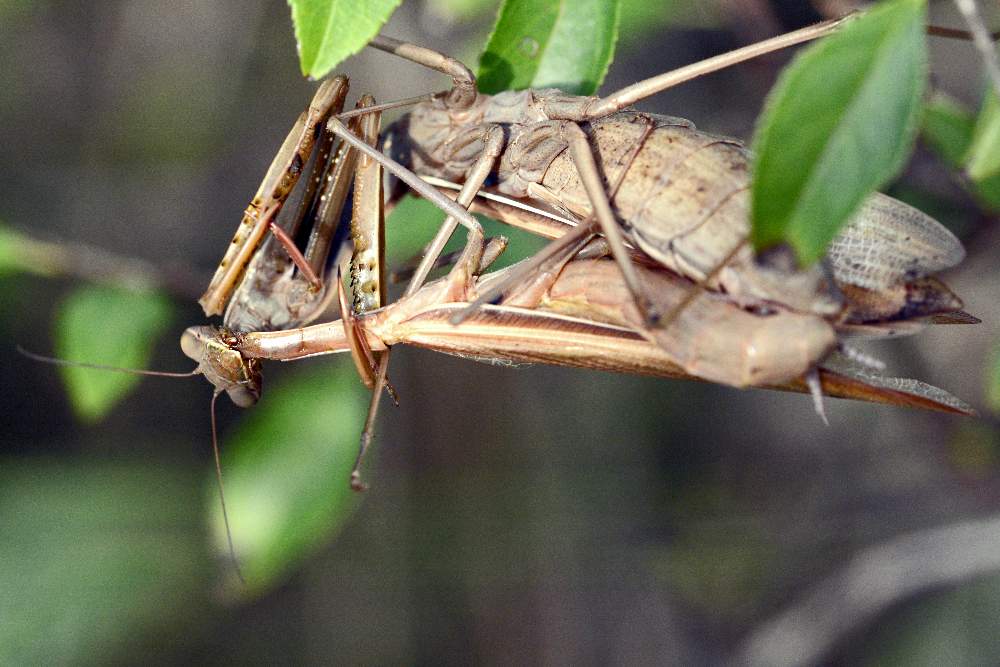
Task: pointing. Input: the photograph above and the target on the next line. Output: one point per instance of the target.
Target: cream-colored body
(680, 196)
(683, 197)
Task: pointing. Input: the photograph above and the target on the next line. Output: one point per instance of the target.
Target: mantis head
(222, 365)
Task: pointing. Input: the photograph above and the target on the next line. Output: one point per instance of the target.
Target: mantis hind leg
(590, 177)
(532, 277)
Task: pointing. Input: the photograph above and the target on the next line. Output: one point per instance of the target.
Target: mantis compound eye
(193, 342)
(222, 365)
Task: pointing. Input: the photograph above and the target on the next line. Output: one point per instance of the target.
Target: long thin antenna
(388, 105)
(215, 440)
(101, 367)
(222, 493)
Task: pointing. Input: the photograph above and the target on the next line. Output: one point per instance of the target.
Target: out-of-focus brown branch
(871, 582)
(75, 260)
(982, 39)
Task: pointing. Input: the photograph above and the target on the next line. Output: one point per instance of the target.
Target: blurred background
(528, 515)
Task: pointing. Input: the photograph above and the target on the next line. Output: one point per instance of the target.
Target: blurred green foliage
(993, 381)
(286, 471)
(112, 327)
(949, 129)
(839, 123)
(975, 449)
(414, 221)
(641, 19)
(19, 253)
(704, 569)
(955, 627)
(983, 160)
(100, 557)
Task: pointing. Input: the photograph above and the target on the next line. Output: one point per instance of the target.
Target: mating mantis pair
(684, 296)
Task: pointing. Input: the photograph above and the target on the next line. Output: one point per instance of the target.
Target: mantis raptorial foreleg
(281, 177)
(271, 295)
(368, 270)
(323, 210)
(459, 278)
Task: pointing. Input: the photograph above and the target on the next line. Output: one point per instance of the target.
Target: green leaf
(642, 19)
(947, 128)
(19, 253)
(113, 327)
(10, 258)
(839, 123)
(987, 192)
(550, 43)
(460, 10)
(954, 626)
(983, 160)
(328, 31)
(286, 472)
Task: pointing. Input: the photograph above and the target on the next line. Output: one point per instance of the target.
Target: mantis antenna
(215, 440)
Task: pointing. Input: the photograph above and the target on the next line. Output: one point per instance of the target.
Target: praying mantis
(521, 333)
(669, 201)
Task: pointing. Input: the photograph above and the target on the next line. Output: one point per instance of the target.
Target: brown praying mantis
(683, 296)
(567, 167)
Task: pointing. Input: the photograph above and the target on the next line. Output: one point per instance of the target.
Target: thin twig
(873, 581)
(77, 260)
(981, 38)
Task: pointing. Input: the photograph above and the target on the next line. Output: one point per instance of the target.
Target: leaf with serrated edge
(839, 124)
(328, 31)
(550, 43)
(113, 327)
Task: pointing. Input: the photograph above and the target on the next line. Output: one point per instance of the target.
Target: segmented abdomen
(684, 194)
(685, 201)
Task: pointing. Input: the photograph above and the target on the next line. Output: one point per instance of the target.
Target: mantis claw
(356, 484)
(816, 390)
